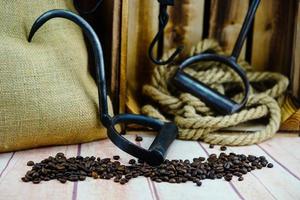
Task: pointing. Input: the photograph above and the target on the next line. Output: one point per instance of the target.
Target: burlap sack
(47, 94)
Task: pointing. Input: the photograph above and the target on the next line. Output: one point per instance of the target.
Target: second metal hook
(163, 21)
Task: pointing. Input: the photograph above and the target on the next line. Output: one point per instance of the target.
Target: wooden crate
(272, 45)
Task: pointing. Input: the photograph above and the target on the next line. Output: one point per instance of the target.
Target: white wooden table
(280, 182)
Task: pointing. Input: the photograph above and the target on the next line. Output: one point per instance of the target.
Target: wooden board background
(128, 26)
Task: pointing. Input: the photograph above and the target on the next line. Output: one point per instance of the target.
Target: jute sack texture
(196, 121)
(47, 94)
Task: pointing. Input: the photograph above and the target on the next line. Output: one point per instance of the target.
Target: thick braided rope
(196, 121)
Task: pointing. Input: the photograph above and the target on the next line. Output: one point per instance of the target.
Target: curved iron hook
(167, 132)
(163, 21)
(97, 50)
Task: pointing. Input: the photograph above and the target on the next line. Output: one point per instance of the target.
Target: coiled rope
(196, 121)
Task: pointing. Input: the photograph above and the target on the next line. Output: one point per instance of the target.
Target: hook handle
(163, 140)
(216, 100)
(156, 153)
(245, 29)
(163, 21)
(97, 50)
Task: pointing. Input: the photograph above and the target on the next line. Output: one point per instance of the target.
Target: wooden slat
(227, 17)
(273, 36)
(107, 189)
(115, 54)
(292, 124)
(11, 186)
(123, 56)
(295, 75)
(142, 26)
(185, 26)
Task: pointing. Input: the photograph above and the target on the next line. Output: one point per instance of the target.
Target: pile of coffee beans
(78, 168)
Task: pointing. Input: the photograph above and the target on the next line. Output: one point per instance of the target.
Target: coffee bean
(123, 181)
(62, 180)
(228, 178)
(116, 180)
(223, 148)
(199, 183)
(30, 163)
(95, 175)
(138, 138)
(116, 157)
(60, 154)
(24, 179)
(158, 180)
(36, 181)
(172, 180)
(81, 178)
(270, 165)
(132, 161)
(73, 178)
(240, 179)
(211, 146)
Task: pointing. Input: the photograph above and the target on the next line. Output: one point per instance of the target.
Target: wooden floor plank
(5, 159)
(279, 183)
(11, 186)
(284, 149)
(189, 150)
(107, 189)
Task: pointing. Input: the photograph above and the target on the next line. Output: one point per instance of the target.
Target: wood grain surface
(273, 36)
(295, 73)
(280, 182)
(185, 26)
(226, 20)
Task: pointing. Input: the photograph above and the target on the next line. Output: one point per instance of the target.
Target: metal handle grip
(214, 99)
(163, 140)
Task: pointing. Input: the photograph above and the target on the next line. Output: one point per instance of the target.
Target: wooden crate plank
(107, 189)
(273, 36)
(142, 26)
(115, 55)
(11, 186)
(189, 150)
(295, 75)
(185, 26)
(226, 20)
(123, 56)
(278, 182)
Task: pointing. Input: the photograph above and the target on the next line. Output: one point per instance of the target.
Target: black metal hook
(167, 132)
(213, 98)
(163, 21)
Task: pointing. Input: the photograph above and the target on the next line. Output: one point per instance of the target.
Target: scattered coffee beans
(30, 163)
(223, 148)
(116, 157)
(270, 165)
(138, 138)
(77, 168)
